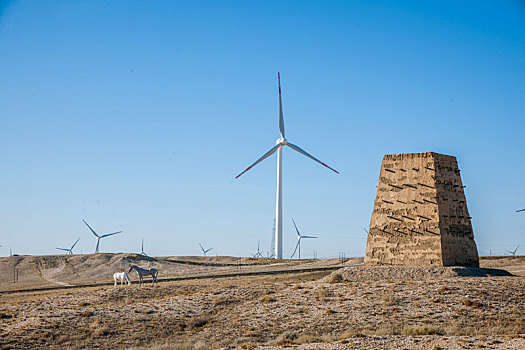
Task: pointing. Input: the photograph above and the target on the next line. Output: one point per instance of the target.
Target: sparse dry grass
(279, 310)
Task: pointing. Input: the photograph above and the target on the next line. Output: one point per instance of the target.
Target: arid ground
(70, 302)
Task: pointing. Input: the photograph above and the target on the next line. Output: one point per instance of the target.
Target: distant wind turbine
(142, 249)
(204, 251)
(299, 237)
(280, 143)
(99, 237)
(70, 250)
(513, 252)
(258, 254)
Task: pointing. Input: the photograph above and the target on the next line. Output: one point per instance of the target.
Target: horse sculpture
(122, 276)
(144, 272)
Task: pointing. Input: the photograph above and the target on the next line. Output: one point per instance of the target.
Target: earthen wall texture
(420, 215)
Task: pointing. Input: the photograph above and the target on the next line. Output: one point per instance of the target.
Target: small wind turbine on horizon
(204, 251)
(280, 143)
(70, 250)
(258, 254)
(99, 237)
(513, 252)
(299, 237)
(142, 249)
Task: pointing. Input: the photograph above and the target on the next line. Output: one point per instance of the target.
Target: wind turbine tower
(280, 143)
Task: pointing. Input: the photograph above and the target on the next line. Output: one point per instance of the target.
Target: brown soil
(414, 310)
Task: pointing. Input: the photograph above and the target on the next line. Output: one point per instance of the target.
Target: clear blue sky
(137, 115)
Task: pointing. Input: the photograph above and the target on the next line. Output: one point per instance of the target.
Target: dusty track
(186, 278)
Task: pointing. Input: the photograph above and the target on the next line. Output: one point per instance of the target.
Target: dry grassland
(350, 308)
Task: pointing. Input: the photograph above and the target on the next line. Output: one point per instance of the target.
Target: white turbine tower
(299, 237)
(280, 143)
(70, 250)
(99, 237)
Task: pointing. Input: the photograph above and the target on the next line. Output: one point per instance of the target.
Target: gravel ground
(425, 309)
(425, 342)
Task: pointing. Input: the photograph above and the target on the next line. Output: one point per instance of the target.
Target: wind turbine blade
(142, 249)
(296, 229)
(302, 151)
(63, 249)
(110, 234)
(281, 118)
(365, 230)
(309, 237)
(297, 245)
(517, 211)
(98, 242)
(90, 228)
(73, 246)
(201, 247)
(208, 250)
(266, 155)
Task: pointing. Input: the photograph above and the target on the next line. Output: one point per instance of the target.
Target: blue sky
(137, 116)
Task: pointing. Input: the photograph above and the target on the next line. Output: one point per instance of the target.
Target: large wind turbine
(280, 143)
(70, 250)
(99, 237)
(299, 237)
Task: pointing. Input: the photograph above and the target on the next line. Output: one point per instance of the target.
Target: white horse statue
(144, 272)
(121, 276)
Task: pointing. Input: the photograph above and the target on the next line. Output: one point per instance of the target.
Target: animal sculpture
(145, 272)
(121, 276)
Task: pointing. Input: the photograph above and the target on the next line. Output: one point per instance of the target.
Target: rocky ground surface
(424, 342)
(349, 308)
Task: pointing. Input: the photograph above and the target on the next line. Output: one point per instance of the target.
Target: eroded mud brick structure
(420, 215)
